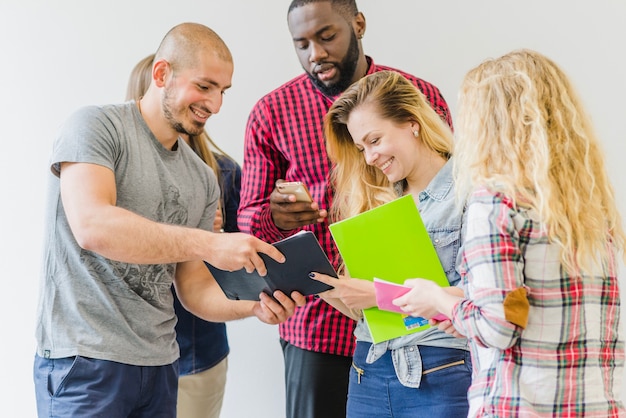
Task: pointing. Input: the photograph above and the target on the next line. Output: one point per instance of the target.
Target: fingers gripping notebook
(303, 254)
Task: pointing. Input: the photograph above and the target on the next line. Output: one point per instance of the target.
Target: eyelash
(326, 39)
(372, 142)
(205, 88)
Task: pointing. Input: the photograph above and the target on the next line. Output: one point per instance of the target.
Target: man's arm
(263, 164)
(88, 193)
(200, 294)
(264, 211)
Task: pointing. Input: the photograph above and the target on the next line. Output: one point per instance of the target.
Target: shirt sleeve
(492, 267)
(263, 165)
(86, 137)
(438, 103)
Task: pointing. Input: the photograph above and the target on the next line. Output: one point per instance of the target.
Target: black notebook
(303, 254)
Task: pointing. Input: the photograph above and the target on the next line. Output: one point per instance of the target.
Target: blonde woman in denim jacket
(383, 133)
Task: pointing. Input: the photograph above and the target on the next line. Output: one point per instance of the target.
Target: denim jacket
(443, 220)
(203, 344)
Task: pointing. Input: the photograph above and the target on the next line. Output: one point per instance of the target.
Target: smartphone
(296, 188)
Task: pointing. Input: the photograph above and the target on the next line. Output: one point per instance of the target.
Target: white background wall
(57, 55)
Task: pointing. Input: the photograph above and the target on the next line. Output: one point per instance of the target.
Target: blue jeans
(375, 390)
(86, 387)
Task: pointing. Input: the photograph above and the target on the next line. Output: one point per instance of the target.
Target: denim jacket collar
(441, 185)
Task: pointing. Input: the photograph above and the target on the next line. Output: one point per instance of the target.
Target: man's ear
(160, 71)
(358, 24)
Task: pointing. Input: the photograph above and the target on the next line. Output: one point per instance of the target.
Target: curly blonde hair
(359, 186)
(522, 131)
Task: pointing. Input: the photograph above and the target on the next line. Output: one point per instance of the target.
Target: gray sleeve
(88, 136)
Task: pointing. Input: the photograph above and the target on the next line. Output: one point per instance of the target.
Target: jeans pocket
(359, 372)
(60, 372)
(444, 366)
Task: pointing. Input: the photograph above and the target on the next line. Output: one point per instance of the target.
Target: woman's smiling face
(385, 144)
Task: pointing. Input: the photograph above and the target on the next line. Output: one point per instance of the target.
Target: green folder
(389, 242)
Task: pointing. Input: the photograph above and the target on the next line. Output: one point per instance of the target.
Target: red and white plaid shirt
(284, 139)
(569, 360)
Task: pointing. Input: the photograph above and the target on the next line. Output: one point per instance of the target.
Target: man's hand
(289, 214)
(201, 295)
(234, 251)
(277, 310)
(218, 222)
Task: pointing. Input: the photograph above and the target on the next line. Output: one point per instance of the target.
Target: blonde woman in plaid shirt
(541, 251)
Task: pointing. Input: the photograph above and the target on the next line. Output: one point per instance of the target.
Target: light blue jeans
(85, 387)
(376, 392)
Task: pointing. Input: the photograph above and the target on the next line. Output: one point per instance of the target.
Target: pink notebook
(388, 291)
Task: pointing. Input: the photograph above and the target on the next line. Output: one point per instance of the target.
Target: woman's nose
(370, 156)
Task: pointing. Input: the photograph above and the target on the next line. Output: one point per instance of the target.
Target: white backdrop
(57, 55)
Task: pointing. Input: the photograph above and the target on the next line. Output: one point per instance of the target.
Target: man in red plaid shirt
(284, 142)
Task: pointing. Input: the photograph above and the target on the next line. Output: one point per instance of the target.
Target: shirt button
(411, 348)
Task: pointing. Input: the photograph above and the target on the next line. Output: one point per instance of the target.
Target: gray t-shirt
(96, 307)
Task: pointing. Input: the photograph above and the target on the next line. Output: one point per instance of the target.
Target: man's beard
(347, 68)
(174, 123)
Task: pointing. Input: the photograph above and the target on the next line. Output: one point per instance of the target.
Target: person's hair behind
(140, 78)
(523, 131)
(347, 8)
(203, 145)
(359, 186)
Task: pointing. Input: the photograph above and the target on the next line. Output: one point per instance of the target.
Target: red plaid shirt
(284, 139)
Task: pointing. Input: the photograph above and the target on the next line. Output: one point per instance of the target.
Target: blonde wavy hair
(359, 186)
(522, 131)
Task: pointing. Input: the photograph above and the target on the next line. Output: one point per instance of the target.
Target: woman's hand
(447, 327)
(353, 293)
(427, 299)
